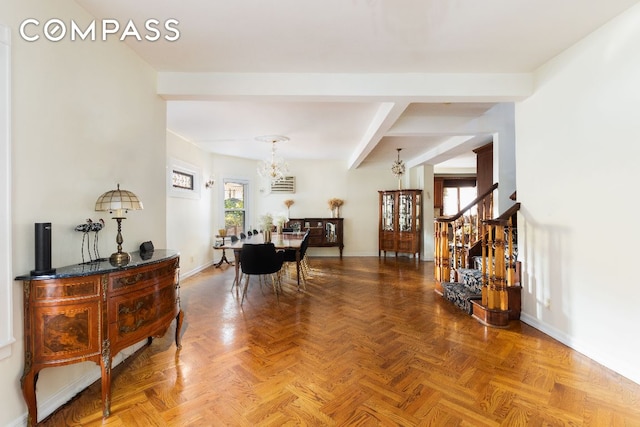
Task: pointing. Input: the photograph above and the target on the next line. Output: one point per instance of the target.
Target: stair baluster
(498, 298)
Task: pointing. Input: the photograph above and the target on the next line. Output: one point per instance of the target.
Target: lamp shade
(119, 201)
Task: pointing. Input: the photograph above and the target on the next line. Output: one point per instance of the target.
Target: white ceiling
(349, 79)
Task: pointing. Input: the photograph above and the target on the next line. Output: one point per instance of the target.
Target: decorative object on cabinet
(120, 202)
(42, 242)
(323, 232)
(398, 169)
(86, 228)
(90, 312)
(400, 227)
(334, 207)
(288, 203)
(146, 250)
(273, 168)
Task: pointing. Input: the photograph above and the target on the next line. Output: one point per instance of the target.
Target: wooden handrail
(456, 235)
(457, 241)
(469, 206)
(504, 218)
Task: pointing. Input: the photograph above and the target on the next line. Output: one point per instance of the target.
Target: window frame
(247, 200)
(457, 183)
(186, 169)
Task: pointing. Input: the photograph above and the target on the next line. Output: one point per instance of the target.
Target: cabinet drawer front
(387, 245)
(315, 232)
(76, 288)
(128, 281)
(140, 315)
(67, 331)
(407, 245)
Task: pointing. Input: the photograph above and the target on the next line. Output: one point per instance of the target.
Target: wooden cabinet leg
(29, 391)
(179, 319)
(105, 366)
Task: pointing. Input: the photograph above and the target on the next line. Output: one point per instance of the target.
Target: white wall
(578, 145)
(190, 228)
(316, 183)
(85, 116)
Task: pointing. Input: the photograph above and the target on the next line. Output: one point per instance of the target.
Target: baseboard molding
(597, 354)
(48, 406)
(185, 275)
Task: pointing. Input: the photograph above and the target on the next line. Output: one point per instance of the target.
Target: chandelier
(398, 169)
(398, 166)
(273, 168)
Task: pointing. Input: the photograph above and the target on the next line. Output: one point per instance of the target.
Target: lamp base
(119, 259)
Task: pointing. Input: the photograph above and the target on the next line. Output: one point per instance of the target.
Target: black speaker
(43, 250)
(146, 250)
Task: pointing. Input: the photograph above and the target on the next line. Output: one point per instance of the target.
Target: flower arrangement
(266, 221)
(288, 203)
(335, 203)
(280, 219)
(334, 206)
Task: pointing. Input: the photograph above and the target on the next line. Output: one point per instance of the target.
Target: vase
(279, 229)
(267, 236)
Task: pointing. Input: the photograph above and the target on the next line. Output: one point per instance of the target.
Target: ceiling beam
(385, 117)
(410, 87)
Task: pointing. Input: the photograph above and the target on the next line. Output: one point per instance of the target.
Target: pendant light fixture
(398, 169)
(273, 168)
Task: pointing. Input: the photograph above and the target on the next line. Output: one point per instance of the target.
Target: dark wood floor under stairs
(368, 344)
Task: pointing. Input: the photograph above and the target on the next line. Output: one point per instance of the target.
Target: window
(457, 194)
(183, 179)
(235, 206)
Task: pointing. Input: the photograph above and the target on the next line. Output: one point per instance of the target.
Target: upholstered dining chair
(290, 257)
(261, 260)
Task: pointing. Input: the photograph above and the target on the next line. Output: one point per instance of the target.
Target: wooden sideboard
(90, 312)
(323, 232)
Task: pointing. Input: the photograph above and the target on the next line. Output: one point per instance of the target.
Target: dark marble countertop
(104, 266)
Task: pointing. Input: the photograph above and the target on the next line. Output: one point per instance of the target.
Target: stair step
(471, 278)
(460, 294)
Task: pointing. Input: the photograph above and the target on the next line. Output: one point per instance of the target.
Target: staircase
(475, 261)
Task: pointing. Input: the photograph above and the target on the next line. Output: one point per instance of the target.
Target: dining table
(281, 241)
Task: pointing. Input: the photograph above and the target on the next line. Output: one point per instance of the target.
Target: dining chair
(261, 260)
(290, 257)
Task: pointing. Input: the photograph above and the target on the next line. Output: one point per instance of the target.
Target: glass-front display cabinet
(400, 229)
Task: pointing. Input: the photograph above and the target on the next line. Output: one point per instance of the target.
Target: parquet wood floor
(368, 344)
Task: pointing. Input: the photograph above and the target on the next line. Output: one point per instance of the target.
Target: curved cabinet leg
(29, 391)
(179, 319)
(105, 367)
